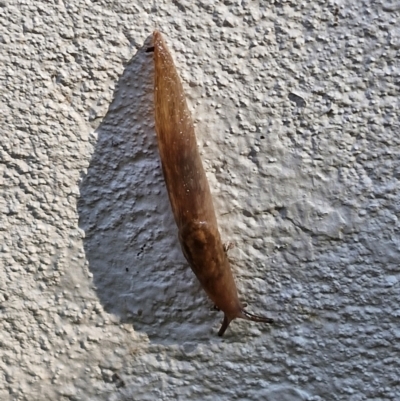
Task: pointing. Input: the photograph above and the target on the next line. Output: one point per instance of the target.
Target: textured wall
(296, 110)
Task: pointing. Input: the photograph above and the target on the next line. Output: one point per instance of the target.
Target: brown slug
(189, 192)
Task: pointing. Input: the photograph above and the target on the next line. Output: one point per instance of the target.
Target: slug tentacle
(255, 318)
(243, 314)
(188, 190)
(224, 326)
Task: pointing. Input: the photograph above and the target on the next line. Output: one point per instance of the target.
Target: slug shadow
(131, 243)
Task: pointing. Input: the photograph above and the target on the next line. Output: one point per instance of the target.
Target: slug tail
(249, 316)
(224, 326)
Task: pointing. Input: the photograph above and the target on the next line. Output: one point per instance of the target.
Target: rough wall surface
(296, 110)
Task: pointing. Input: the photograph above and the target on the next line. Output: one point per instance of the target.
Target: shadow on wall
(131, 241)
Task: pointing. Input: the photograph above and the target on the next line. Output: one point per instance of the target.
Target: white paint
(296, 116)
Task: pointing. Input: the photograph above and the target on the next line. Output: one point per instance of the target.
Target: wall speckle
(295, 106)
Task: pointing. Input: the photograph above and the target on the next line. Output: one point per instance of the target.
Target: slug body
(189, 192)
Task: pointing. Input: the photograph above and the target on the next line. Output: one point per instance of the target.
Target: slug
(189, 192)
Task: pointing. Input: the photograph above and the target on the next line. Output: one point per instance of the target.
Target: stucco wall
(296, 110)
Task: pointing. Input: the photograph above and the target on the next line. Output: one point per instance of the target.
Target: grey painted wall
(296, 110)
